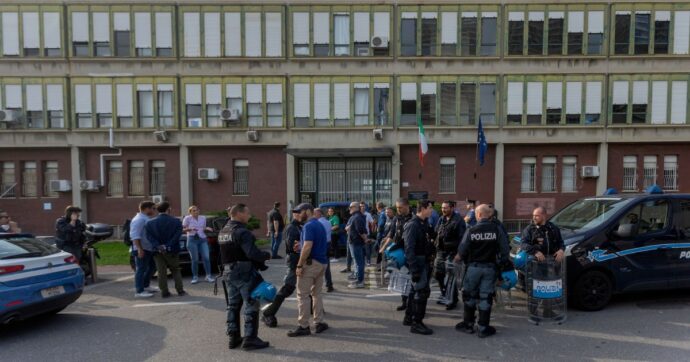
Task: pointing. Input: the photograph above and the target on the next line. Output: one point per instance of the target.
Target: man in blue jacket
(356, 237)
(163, 232)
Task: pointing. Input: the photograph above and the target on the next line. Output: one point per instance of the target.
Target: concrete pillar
(395, 173)
(186, 191)
(498, 178)
(77, 174)
(291, 177)
(603, 163)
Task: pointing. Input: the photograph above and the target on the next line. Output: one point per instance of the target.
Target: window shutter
(51, 31)
(640, 92)
(449, 28)
(213, 94)
(10, 33)
(193, 94)
(163, 30)
(408, 91)
(595, 22)
(104, 98)
(13, 96)
(576, 22)
(516, 16)
(31, 30)
(536, 16)
(192, 48)
(101, 27)
(514, 106)
(321, 29)
(534, 97)
(593, 105)
(212, 34)
(300, 28)
(361, 27)
(233, 91)
(341, 101)
(274, 35)
(681, 32)
(429, 15)
(254, 93)
(124, 100)
(301, 100)
(274, 93)
(382, 24)
(573, 98)
(322, 101)
(233, 35)
(34, 97)
(556, 15)
(164, 87)
(620, 92)
(252, 34)
(679, 102)
(82, 98)
(569, 160)
(54, 97)
(662, 15)
(142, 30)
(428, 88)
(121, 21)
(447, 161)
(659, 101)
(554, 95)
(80, 26)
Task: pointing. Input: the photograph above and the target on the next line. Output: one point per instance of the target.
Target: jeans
(196, 246)
(369, 251)
(172, 262)
(275, 243)
(142, 275)
(348, 258)
(357, 252)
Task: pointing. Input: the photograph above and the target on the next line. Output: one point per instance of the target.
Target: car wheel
(593, 291)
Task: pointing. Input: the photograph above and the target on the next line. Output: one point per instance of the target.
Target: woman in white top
(197, 243)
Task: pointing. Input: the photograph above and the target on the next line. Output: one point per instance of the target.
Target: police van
(619, 243)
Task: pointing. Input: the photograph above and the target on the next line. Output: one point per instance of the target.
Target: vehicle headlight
(568, 249)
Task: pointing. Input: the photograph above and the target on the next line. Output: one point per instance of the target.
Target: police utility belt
(482, 264)
(230, 266)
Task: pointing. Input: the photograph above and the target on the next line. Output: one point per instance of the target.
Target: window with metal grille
(671, 172)
(548, 174)
(29, 179)
(157, 177)
(115, 187)
(8, 180)
(241, 177)
(447, 179)
(528, 177)
(569, 174)
(136, 178)
(649, 171)
(630, 173)
(384, 184)
(50, 173)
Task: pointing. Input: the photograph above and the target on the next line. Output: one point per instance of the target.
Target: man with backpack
(142, 250)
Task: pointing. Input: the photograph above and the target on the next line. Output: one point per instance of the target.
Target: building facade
(215, 102)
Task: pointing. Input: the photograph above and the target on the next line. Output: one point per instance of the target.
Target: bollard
(92, 265)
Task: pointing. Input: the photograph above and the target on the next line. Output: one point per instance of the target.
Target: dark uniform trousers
(419, 293)
(241, 277)
(289, 285)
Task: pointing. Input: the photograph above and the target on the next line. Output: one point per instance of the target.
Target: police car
(35, 278)
(619, 243)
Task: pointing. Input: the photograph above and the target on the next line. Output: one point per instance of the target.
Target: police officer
(292, 238)
(395, 236)
(484, 249)
(542, 238)
(417, 255)
(241, 259)
(449, 231)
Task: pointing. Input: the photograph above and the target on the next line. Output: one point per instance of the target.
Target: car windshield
(589, 213)
(24, 247)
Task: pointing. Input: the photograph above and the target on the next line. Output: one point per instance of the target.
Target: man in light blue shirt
(142, 250)
(318, 213)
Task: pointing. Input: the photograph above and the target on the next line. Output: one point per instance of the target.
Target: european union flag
(482, 145)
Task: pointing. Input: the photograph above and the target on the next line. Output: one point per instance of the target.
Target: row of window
(344, 101)
(550, 168)
(650, 172)
(344, 30)
(22, 179)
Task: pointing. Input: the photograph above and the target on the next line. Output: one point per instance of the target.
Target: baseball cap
(302, 207)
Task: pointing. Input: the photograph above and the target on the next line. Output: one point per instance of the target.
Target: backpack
(125, 232)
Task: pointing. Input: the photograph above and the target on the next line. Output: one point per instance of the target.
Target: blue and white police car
(35, 278)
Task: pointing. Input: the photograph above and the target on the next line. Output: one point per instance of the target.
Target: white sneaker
(334, 260)
(195, 280)
(210, 279)
(143, 294)
(356, 285)
(152, 289)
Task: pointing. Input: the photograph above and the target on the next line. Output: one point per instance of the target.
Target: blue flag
(482, 145)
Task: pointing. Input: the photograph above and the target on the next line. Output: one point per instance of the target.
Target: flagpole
(476, 150)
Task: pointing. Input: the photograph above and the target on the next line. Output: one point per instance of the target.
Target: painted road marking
(165, 304)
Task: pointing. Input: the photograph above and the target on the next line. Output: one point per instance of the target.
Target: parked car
(35, 278)
(625, 242)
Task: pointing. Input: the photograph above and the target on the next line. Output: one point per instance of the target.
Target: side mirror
(624, 231)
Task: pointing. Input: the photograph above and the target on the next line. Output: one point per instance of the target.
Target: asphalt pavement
(108, 324)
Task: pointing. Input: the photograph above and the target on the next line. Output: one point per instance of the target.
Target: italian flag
(423, 146)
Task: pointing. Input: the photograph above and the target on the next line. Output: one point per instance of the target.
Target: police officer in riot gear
(542, 238)
(395, 235)
(241, 259)
(449, 231)
(292, 237)
(484, 249)
(417, 255)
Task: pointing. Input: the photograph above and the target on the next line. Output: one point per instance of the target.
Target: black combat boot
(409, 313)
(418, 325)
(485, 330)
(251, 340)
(467, 325)
(268, 313)
(402, 306)
(235, 339)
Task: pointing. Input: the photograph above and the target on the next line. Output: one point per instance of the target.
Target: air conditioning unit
(7, 115)
(208, 174)
(230, 115)
(379, 42)
(378, 134)
(590, 171)
(253, 136)
(157, 199)
(60, 185)
(161, 136)
(89, 185)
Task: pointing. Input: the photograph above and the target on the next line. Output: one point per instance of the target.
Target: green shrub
(253, 224)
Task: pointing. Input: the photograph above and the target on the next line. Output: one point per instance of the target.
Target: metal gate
(353, 179)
